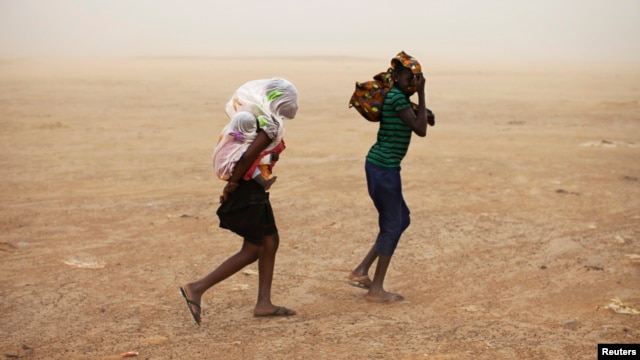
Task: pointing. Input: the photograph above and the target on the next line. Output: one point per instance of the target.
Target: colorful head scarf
(407, 61)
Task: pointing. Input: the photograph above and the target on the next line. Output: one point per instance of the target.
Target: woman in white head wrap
(245, 208)
(270, 101)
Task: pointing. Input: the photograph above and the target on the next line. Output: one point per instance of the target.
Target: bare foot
(383, 297)
(361, 281)
(274, 311)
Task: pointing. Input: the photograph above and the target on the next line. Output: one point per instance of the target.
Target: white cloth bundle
(268, 102)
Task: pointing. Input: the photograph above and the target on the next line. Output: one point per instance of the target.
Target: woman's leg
(266, 265)
(360, 275)
(377, 293)
(249, 253)
(376, 289)
(385, 188)
(361, 272)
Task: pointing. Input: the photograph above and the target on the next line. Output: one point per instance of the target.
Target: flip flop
(362, 282)
(196, 316)
(280, 311)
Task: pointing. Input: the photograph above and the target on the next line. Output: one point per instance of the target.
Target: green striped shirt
(393, 135)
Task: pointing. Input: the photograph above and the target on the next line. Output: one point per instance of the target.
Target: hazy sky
(566, 30)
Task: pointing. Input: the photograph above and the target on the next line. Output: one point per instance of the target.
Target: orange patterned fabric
(368, 96)
(407, 61)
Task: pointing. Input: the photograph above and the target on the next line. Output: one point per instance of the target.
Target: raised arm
(417, 121)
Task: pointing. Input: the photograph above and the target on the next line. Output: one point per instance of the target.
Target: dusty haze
(524, 200)
(546, 30)
(525, 196)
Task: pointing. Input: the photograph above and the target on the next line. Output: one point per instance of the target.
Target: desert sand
(525, 200)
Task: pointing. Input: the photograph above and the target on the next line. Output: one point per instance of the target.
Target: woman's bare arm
(417, 121)
(244, 164)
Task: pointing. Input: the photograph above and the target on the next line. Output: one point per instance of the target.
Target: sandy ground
(525, 202)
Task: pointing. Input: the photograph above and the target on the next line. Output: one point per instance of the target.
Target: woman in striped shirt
(382, 166)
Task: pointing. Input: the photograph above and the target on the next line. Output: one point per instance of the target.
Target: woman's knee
(271, 242)
(250, 251)
(395, 228)
(406, 221)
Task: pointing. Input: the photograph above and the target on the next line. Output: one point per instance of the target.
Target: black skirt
(248, 213)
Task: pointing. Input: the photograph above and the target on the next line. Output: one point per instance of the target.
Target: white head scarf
(243, 127)
(270, 100)
(233, 142)
(267, 100)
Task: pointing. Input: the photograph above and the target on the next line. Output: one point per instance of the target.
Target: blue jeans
(385, 189)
